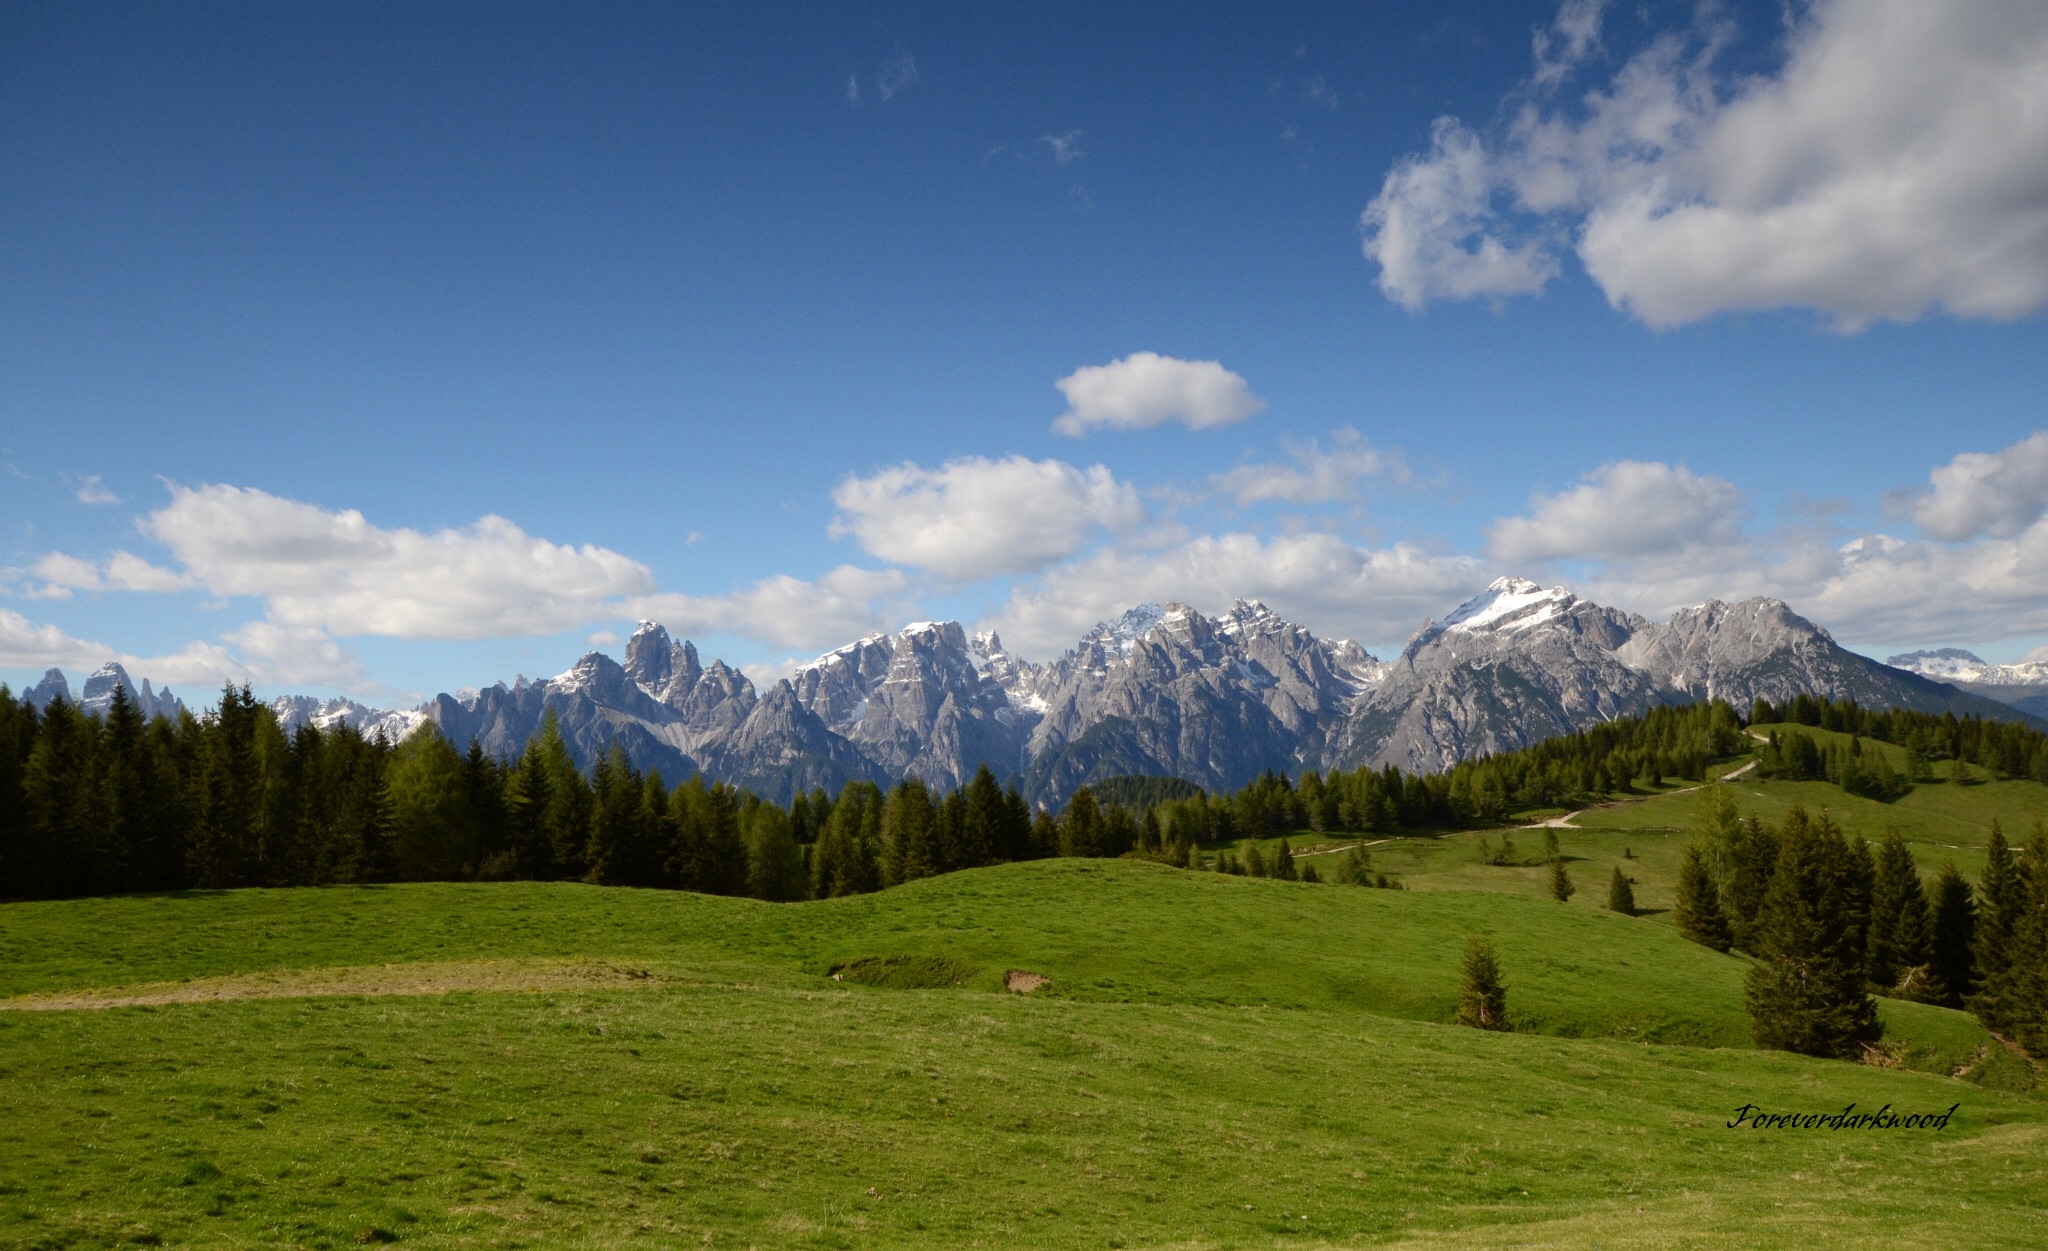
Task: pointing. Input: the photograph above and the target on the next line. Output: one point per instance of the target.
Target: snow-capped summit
(1509, 604)
(292, 711)
(1128, 630)
(1953, 664)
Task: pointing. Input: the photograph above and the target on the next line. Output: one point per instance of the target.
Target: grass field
(1216, 1062)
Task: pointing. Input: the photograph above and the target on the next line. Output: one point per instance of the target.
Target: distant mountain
(99, 692)
(1519, 663)
(1164, 691)
(2023, 685)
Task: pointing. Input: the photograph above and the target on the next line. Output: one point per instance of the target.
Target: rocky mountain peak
(1509, 604)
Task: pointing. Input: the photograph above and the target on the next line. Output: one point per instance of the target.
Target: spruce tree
(1081, 825)
(1620, 896)
(1755, 860)
(1254, 863)
(1283, 863)
(1309, 874)
(2027, 1010)
(1699, 912)
(1806, 991)
(1901, 929)
(2000, 903)
(1954, 939)
(1560, 882)
(1482, 997)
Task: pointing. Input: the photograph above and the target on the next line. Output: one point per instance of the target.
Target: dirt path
(1331, 851)
(377, 979)
(1565, 822)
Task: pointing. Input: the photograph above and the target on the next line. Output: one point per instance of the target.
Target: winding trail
(1565, 822)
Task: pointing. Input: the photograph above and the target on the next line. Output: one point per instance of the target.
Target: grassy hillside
(1216, 1062)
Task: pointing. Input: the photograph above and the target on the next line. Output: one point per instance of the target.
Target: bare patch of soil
(512, 976)
(1023, 982)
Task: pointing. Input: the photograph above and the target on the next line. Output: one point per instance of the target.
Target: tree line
(111, 803)
(1830, 922)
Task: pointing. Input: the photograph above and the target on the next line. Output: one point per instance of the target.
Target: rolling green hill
(1216, 1061)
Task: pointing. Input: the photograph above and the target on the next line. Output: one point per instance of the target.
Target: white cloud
(1147, 389)
(1624, 509)
(1876, 587)
(1066, 149)
(1997, 493)
(852, 89)
(1430, 228)
(286, 655)
(1894, 165)
(336, 572)
(26, 645)
(60, 575)
(976, 518)
(1316, 476)
(1573, 36)
(1319, 580)
(90, 490)
(846, 603)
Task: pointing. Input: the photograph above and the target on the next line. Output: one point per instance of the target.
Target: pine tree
(1901, 929)
(429, 808)
(1482, 998)
(1620, 896)
(1283, 863)
(2027, 1003)
(1699, 912)
(2001, 902)
(1755, 860)
(1081, 825)
(1806, 991)
(982, 838)
(1254, 863)
(775, 863)
(1560, 882)
(1355, 869)
(1954, 939)
(1309, 874)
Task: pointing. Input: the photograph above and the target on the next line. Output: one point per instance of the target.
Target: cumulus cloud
(845, 603)
(1624, 509)
(1997, 493)
(58, 575)
(976, 518)
(1895, 164)
(1320, 580)
(26, 645)
(294, 655)
(335, 571)
(1147, 389)
(1431, 229)
(1315, 476)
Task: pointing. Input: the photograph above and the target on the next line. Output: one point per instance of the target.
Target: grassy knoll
(1217, 1062)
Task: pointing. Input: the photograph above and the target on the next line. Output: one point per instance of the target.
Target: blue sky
(394, 349)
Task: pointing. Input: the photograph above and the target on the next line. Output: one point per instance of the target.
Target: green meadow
(1214, 1061)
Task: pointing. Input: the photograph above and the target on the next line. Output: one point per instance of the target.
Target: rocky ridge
(1162, 689)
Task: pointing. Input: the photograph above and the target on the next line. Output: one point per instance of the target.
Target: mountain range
(1164, 689)
(2024, 685)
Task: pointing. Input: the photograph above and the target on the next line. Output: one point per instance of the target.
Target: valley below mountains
(1166, 690)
